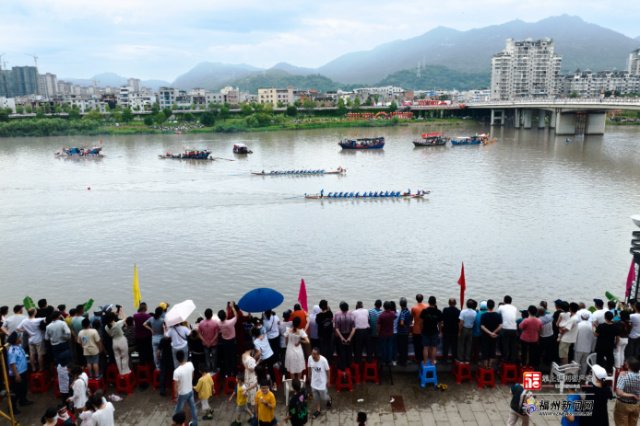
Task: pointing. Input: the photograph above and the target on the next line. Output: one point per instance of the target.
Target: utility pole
(35, 60)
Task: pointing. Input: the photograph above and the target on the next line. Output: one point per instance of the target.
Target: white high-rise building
(134, 83)
(634, 62)
(525, 69)
(48, 85)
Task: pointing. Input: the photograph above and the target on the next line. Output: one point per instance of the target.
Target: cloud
(160, 39)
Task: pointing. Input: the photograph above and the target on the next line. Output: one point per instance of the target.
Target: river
(530, 216)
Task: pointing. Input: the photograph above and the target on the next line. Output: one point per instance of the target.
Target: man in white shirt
(582, 312)
(183, 387)
(598, 315)
(584, 343)
(570, 334)
(361, 317)
(509, 330)
(634, 336)
(31, 326)
(319, 371)
(14, 321)
(103, 416)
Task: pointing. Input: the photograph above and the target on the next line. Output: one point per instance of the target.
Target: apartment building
(525, 68)
(634, 62)
(274, 96)
(590, 84)
(167, 96)
(48, 85)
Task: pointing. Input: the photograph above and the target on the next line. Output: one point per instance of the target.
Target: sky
(162, 39)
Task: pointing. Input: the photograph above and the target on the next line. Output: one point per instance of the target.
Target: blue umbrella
(260, 300)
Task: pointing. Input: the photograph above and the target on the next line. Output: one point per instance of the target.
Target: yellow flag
(136, 288)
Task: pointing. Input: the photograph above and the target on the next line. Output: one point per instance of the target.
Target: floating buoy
(88, 188)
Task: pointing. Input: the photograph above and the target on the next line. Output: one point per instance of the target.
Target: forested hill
(436, 77)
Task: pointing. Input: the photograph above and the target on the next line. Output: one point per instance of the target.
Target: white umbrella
(179, 313)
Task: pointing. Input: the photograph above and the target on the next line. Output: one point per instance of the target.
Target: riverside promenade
(462, 404)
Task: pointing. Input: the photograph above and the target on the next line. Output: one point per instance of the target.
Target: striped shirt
(374, 313)
(405, 315)
(629, 383)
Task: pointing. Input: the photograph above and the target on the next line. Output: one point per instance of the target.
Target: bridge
(566, 116)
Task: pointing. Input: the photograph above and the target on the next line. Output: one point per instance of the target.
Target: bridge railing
(561, 101)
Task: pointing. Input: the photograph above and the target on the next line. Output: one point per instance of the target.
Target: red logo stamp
(532, 380)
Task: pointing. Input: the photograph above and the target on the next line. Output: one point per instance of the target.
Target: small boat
(567, 140)
(381, 194)
(432, 139)
(466, 140)
(241, 148)
(188, 154)
(83, 151)
(339, 171)
(363, 143)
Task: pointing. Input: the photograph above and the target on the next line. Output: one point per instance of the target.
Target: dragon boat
(381, 194)
(188, 154)
(432, 139)
(339, 171)
(83, 151)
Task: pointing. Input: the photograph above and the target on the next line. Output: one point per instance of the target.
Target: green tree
(28, 109)
(251, 121)
(280, 105)
(367, 102)
(342, 110)
(208, 119)
(148, 120)
(19, 109)
(279, 119)
(4, 116)
(93, 115)
(127, 115)
(292, 110)
(168, 112)
(155, 108)
(65, 106)
(375, 98)
(224, 113)
(309, 105)
(574, 95)
(188, 117)
(40, 113)
(268, 109)
(349, 103)
(246, 110)
(393, 107)
(57, 109)
(47, 108)
(174, 107)
(193, 106)
(356, 102)
(201, 107)
(298, 103)
(74, 114)
(136, 108)
(160, 117)
(258, 107)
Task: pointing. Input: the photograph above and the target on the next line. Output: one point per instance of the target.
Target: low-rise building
(8, 103)
(275, 96)
(167, 97)
(588, 84)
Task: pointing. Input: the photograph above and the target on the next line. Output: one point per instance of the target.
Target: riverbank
(63, 127)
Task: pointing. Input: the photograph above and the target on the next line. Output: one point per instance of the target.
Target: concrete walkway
(462, 404)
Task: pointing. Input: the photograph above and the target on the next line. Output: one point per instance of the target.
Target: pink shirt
(209, 328)
(530, 327)
(228, 329)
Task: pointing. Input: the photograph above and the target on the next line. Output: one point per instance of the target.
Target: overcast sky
(162, 39)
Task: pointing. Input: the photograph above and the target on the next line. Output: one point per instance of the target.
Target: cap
(13, 338)
(286, 314)
(163, 306)
(599, 372)
(483, 305)
(557, 302)
(17, 308)
(585, 315)
(598, 302)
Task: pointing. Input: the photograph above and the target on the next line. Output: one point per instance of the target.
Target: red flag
(463, 285)
(630, 277)
(302, 296)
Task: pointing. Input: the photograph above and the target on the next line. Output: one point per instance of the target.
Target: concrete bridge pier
(526, 118)
(497, 117)
(516, 118)
(552, 120)
(565, 123)
(595, 123)
(542, 115)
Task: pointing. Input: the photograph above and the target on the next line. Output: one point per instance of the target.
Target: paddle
(220, 158)
(240, 174)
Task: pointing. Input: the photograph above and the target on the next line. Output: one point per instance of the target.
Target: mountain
(637, 38)
(280, 78)
(292, 69)
(582, 45)
(436, 77)
(207, 75)
(114, 80)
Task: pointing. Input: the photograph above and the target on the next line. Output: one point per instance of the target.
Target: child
(80, 386)
(265, 404)
(563, 319)
(64, 416)
(241, 399)
(179, 419)
(63, 375)
(361, 419)
(298, 411)
(204, 387)
(87, 413)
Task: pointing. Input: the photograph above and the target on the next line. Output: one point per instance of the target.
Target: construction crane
(35, 60)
